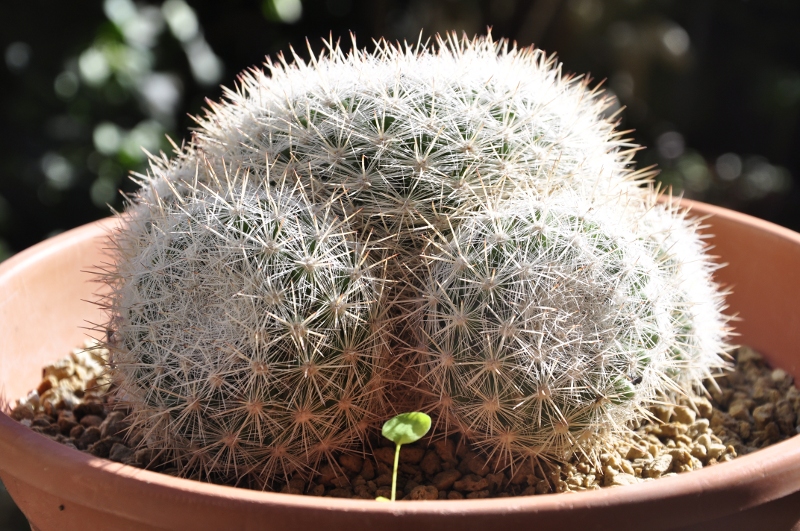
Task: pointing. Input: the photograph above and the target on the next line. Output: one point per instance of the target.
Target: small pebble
(444, 480)
(684, 415)
(446, 449)
(746, 354)
(476, 464)
(90, 436)
(367, 470)
(384, 455)
(383, 480)
(521, 473)
(739, 410)
(341, 492)
(102, 447)
(763, 414)
(326, 475)
(288, 489)
(662, 413)
(23, 411)
(87, 421)
(76, 431)
(114, 424)
(120, 453)
(496, 481)
(624, 479)
(146, 457)
(89, 408)
(340, 481)
(635, 452)
(42, 421)
(423, 492)
(410, 455)
(431, 463)
(351, 463)
(471, 483)
(657, 467)
(66, 421)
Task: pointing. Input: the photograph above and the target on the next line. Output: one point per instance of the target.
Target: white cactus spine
(412, 134)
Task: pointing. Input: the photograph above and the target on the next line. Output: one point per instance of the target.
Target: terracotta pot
(42, 312)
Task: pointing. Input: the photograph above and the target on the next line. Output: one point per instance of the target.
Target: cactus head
(245, 330)
(546, 327)
(410, 135)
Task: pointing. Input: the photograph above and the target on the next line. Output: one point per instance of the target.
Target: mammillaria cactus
(246, 330)
(546, 325)
(410, 134)
(412, 137)
(697, 314)
(544, 296)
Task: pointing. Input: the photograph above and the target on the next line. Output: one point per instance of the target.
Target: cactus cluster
(460, 215)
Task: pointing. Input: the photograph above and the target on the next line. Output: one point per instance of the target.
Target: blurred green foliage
(712, 87)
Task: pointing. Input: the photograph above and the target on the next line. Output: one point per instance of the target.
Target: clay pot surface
(43, 314)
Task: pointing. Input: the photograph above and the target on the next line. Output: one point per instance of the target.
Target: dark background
(711, 87)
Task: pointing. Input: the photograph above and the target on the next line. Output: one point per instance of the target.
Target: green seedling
(403, 429)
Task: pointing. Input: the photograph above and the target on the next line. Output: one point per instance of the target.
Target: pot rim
(749, 480)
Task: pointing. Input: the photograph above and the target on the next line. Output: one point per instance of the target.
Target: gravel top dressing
(749, 408)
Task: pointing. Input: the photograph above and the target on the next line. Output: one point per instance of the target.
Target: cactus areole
(457, 225)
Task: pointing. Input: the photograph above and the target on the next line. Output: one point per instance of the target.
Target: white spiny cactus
(542, 294)
(546, 326)
(697, 316)
(410, 134)
(412, 137)
(246, 335)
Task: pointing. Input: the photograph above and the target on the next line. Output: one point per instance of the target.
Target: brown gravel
(750, 408)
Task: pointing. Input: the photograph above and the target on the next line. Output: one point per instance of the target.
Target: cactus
(464, 206)
(410, 135)
(697, 314)
(246, 337)
(549, 325)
